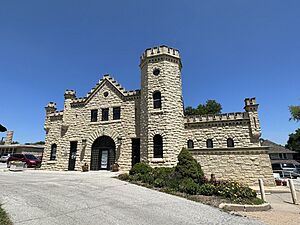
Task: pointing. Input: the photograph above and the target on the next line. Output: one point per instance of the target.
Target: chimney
(9, 137)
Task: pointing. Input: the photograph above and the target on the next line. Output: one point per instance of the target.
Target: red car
(28, 159)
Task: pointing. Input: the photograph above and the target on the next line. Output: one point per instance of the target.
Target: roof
(276, 148)
(113, 83)
(285, 161)
(22, 146)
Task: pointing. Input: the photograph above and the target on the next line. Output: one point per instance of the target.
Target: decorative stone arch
(98, 133)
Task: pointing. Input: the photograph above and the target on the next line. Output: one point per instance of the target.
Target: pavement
(283, 210)
(42, 197)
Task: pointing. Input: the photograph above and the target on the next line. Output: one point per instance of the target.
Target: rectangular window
(116, 113)
(105, 114)
(94, 115)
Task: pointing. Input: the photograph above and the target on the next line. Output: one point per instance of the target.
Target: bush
(140, 168)
(188, 185)
(235, 190)
(124, 176)
(207, 189)
(188, 167)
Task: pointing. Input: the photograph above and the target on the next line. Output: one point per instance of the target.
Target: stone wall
(169, 120)
(219, 132)
(74, 124)
(245, 165)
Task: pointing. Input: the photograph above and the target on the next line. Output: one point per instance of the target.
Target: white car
(4, 158)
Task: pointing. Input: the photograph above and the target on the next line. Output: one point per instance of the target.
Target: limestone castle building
(111, 125)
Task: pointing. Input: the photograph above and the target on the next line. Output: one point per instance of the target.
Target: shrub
(207, 189)
(140, 168)
(159, 182)
(188, 185)
(124, 176)
(235, 190)
(188, 167)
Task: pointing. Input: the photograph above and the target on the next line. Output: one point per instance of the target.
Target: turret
(162, 120)
(251, 107)
(50, 108)
(70, 94)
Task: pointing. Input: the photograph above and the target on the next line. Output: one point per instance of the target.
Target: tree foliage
(210, 107)
(295, 113)
(293, 142)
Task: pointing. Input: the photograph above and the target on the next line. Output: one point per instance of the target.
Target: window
(209, 143)
(105, 114)
(190, 144)
(116, 113)
(157, 100)
(156, 71)
(230, 143)
(158, 146)
(53, 152)
(94, 115)
(282, 156)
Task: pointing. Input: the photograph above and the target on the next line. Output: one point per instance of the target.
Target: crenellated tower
(252, 108)
(162, 117)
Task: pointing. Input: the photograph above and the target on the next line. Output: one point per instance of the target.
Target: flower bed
(187, 179)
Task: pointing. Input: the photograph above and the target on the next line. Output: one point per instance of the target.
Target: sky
(230, 50)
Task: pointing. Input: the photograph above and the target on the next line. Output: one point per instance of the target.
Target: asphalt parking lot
(41, 197)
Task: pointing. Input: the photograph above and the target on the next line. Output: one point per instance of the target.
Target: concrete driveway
(41, 197)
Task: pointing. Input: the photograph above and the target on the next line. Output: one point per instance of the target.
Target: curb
(245, 208)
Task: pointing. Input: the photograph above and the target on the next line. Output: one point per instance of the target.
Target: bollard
(293, 192)
(262, 189)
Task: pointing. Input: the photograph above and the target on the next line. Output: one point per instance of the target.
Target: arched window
(158, 146)
(230, 143)
(157, 100)
(209, 143)
(190, 144)
(53, 152)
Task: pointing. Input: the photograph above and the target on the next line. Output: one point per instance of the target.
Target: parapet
(250, 104)
(160, 50)
(217, 118)
(70, 94)
(51, 107)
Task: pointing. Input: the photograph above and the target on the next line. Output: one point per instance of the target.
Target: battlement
(250, 104)
(51, 107)
(70, 94)
(216, 118)
(160, 50)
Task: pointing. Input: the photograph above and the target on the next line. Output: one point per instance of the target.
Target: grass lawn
(4, 220)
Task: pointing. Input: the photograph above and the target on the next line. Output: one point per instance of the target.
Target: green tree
(295, 113)
(293, 142)
(210, 107)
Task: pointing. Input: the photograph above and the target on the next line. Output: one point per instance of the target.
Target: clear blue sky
(230, 50)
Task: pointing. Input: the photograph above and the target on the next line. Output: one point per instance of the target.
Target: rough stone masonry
(112, 126)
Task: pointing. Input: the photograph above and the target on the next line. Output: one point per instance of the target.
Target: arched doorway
(103, 153)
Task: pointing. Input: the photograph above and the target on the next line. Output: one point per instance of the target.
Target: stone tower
(161, 107)
(251, 107)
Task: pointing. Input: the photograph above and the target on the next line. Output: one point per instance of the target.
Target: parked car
(298, 168)
(285, 170)
(29, 160)
(4, 158)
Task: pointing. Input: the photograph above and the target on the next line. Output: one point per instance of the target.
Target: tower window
(94, 115)
(53, 152)
(156, 71)
(190, 144)
(116, 113)
(209, 143)
(105, 114)
(158, 146)
(230, 143)
(157, 100)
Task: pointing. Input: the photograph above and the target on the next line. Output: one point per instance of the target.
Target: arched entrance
(103, 153)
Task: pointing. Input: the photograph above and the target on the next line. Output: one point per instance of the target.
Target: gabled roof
(275, 148)
(107, 79)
